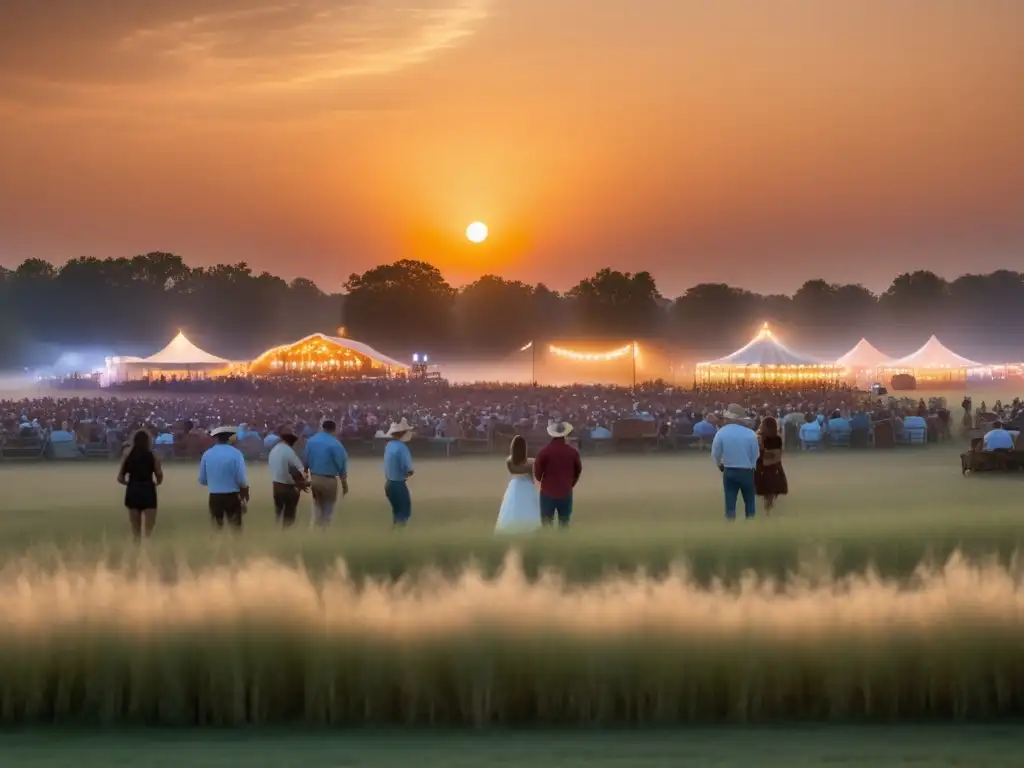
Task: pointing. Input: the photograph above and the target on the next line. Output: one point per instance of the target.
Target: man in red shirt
(557, 469)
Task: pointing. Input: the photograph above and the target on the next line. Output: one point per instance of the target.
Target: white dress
(520, 509)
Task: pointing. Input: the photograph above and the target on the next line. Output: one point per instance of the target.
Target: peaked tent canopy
(864, 356)
(764, 349)
(932, 356)
(182, 352)
(316, 350)
(766, 361)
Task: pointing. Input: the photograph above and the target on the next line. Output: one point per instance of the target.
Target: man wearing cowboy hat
(222, 471)
(557, 468)
(397, 471)
(735, 452)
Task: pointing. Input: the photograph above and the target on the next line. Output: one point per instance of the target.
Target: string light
(594, 357)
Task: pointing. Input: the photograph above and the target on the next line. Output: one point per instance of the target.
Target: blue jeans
(737, 481)
(549, 507)
(401, 501)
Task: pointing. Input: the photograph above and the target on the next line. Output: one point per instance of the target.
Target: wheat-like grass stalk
(262, 642)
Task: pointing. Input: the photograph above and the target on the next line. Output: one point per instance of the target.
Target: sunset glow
(319, 137)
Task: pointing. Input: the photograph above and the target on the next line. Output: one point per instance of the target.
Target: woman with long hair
(140, 473)
(770, 480)
(520, 509)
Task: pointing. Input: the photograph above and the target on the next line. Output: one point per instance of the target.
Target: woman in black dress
(140, 473)
(769, 477)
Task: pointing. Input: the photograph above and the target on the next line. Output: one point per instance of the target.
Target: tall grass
(261, 642)
(712, 550)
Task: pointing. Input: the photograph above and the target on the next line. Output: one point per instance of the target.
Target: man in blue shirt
(735, 451)
(222, 471)
(327, 463)
(397, 471)
(997, 438)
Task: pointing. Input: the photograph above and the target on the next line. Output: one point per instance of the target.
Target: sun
(476, 232)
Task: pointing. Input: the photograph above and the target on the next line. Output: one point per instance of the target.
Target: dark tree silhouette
(138, 303)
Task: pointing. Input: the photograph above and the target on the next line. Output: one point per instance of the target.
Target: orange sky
(755, 142)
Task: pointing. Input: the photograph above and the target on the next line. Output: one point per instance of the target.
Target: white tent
(764, 349)
(932, 356)
(338, 341)
(863, 357)
(183, 353)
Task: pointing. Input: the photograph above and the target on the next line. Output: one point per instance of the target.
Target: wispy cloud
(217, 50)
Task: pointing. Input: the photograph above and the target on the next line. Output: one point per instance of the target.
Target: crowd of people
(432, 408)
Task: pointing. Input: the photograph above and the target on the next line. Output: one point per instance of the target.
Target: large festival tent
(765, 360)
(179, 358)
(933, 363)
(182, 353)
(319, 352)
(862, 362)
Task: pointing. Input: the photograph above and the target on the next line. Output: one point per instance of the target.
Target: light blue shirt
(600, 433)
(397, 461)
(811, 433)
(838, 426)
(704, 428)
(325, 456)
(915, 422)
(998, 439)
(735, 447)
(222, 469)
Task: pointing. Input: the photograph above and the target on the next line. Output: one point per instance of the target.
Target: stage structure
(322, 354)
(933, 365)
(767, 362)
(180, 358)
(861, 363)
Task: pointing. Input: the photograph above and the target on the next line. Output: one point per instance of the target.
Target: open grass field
(847, 511)
(885, 589)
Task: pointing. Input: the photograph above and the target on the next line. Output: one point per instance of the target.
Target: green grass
(785, 748)
(777, 620)
(847, 510)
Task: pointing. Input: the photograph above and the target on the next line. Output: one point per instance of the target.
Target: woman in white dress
(520, 509)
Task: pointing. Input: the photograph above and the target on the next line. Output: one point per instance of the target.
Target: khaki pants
(325, 496)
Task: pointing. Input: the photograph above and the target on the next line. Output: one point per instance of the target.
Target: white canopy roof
(932, 355)
(181, 351)
(356, 346)
(863, 356)
(765, 349)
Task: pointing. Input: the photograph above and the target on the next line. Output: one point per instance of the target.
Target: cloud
(212, 50)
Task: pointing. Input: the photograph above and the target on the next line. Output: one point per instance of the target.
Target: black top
(773, 443)
(139, 467)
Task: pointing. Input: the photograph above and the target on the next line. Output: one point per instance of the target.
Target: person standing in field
(288, 476)
(557, 468)
(735, 451)
(397, 471)
(222, 472)
(327, 463)
(770, 477)
(140, 473)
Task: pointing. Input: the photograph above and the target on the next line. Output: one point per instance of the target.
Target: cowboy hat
(735, 413)
(401, 429)
(223, 431)
(559, 428)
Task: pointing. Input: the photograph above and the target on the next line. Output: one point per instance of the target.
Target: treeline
(139, 302)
